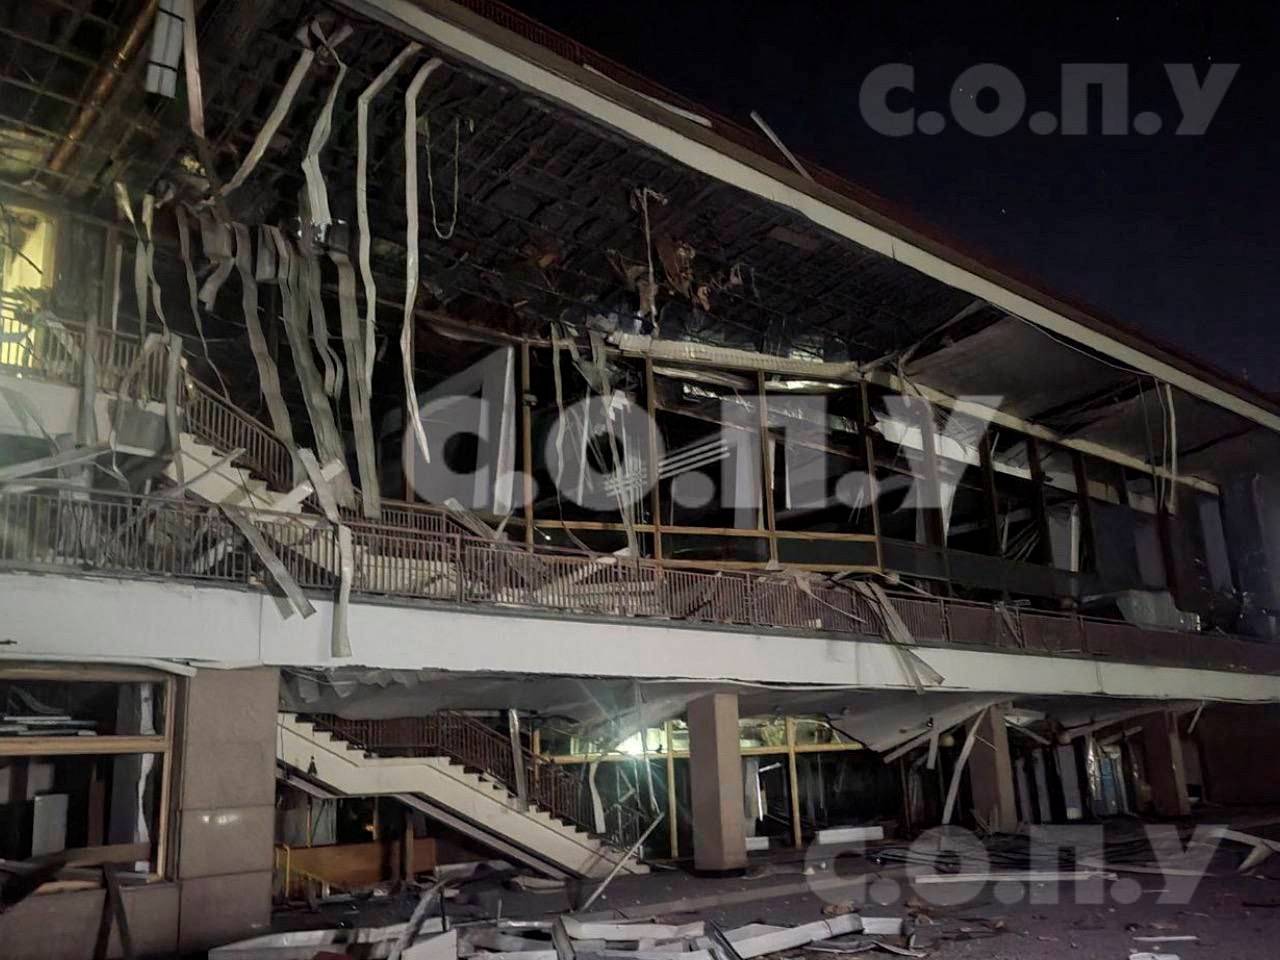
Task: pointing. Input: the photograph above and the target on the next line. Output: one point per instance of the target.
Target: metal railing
(473, 744)
(45, 348)
(221, 424)
(154, 536)
(53, 350)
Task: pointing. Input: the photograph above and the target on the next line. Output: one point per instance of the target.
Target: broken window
(84, 767)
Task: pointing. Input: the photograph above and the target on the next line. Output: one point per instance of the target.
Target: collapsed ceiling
(531, 216)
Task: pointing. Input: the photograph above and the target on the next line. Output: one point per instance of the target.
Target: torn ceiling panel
(1019, 363)
(617, 707)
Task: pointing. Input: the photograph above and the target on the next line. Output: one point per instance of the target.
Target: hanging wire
(431, 184)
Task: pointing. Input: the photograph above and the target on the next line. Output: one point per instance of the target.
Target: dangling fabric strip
(184, 244)
(362, 202)
(316, 192)
(268, 375)
(361, 419)
(276, 117)
(411, 242)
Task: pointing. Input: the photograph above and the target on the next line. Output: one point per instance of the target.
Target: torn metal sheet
(57, 461)
(371, 943)
(953, 790)
(899, 635)
(791, 937)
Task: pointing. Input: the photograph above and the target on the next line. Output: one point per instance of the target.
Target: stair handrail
(213, 418)
(474, 744)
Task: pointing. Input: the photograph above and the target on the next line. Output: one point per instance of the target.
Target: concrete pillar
(991, 774)
(1165, 770)
(715, 774)
(226, 806)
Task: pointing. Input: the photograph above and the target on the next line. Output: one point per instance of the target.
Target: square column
(1166, 773)
(991, 774)
(715, 774)
(226, 806)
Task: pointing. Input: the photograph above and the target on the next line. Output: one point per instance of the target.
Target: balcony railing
(158, 537)
(53, 350)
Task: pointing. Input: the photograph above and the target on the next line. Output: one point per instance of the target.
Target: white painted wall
(79, 616)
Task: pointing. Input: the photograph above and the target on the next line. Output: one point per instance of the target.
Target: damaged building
(426, 443)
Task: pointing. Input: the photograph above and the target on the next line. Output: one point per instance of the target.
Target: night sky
(1176, 236)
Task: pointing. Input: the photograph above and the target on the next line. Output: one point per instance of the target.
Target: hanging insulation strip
(358, 395)
(340, 644)
(184, 245)
(319, 484)
(191, 67)
(317, 195)
(274, 565)
(268, 375)
(215, 237)
(149, 251)
(362, 203)
(274, 119)
(411, 241)
(310, 265)
(265, 269)
(125, 206)
(288, 266)
(172, 383)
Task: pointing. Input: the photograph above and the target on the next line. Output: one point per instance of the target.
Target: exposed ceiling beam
(488, 46)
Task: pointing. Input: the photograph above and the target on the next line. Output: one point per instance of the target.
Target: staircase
(459, 777)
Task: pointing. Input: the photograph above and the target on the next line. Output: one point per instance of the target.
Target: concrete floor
(1232, 915)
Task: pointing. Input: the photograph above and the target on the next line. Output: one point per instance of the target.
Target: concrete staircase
(442, 787)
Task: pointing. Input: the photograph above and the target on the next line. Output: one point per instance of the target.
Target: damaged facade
(424, 442)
